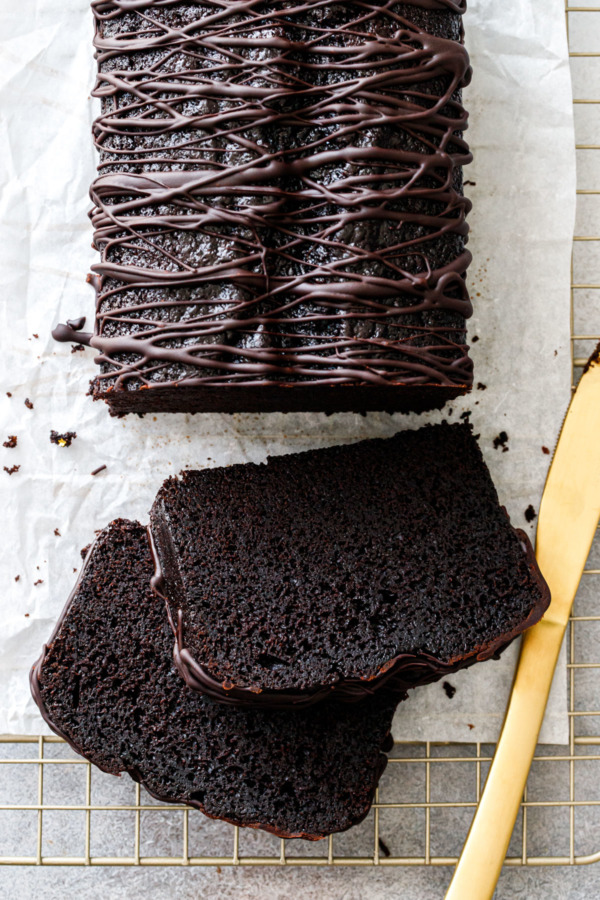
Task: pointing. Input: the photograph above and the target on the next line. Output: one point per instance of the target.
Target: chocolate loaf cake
(107, 684)
(342, 569)
(279, 207)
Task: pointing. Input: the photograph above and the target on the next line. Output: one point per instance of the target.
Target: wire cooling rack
(64, 812)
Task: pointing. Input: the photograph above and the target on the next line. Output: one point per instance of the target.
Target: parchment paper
(524, 197)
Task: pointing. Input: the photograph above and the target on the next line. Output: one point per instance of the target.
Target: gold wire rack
(63, 812)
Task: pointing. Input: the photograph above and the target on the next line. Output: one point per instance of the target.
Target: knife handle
(481, 861)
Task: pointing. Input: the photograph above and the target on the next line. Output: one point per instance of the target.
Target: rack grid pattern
(429, 792)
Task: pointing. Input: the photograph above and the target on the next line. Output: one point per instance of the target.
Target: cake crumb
(11, 442)
(530, 513)
(57, 532)
(76, 347)
(26, 615)
(384, 847)
(84, 552)
(466, 415)
(63, 440)
(98, 470)
(475, 338)
(449, 689)
(472, 183)
(28, 403)
(8, 394)
(501, 441)
(470, 727)
(12, 469)
(481, 386)
(546, 451)
(17, 577)
(36, 336)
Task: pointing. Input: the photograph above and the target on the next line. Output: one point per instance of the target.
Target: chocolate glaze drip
(71, 333)
(279, 197)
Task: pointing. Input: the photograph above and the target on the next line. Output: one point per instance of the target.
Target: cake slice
(106, 683)
(337, 570)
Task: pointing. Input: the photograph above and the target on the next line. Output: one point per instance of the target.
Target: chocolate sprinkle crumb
(481, 386)
(11, 442)
(63, 440)
(8, 394)
(57, 532)
(39, 581)
(384, 847)
(28, 403)
(449, 689)
(546, 451)
(12, 469)
(475, 338)
(501, 441)
(98, 470)
(17, 577)
(530, 513)
(470, 727)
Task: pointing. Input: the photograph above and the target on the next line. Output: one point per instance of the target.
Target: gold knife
(568, 518)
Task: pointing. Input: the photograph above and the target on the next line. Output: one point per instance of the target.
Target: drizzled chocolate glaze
(279, 197)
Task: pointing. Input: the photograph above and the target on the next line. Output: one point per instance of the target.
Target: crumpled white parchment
(522, 221)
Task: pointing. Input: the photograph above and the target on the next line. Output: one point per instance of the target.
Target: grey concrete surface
(250, 884)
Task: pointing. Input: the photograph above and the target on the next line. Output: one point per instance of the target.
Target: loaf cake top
(339, 568)
(279, 203)
(107, 684)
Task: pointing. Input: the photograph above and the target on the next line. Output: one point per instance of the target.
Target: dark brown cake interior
(106, 682)
(322, 568)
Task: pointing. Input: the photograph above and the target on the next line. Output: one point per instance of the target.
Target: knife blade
(567, 522)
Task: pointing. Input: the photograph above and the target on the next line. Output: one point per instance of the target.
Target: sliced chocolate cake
(341, 569)
(279, 207)
(107, 684)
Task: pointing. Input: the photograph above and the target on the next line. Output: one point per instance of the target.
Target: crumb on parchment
(501, 441)
(62, 440)
(449, 689)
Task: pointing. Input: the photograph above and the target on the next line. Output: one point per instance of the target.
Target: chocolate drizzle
(279, 198)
